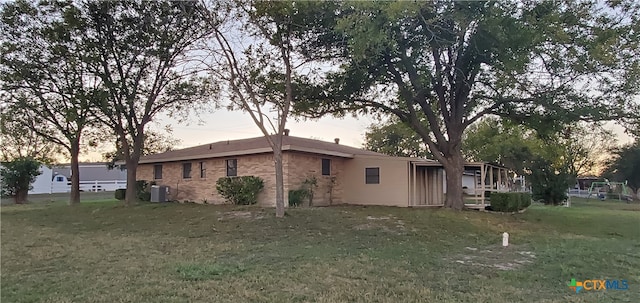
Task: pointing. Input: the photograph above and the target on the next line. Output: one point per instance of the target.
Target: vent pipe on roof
(209, 146)
(336, 140)
(286, 131)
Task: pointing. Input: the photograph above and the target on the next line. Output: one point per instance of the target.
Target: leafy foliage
(500, 141)
(21, 142)
(297, 197)
(625, 165)
(143, 190)
(395, 138)
(17, 176)
(510, 202)
(303, 196)
(155, 142)
(548, 182)
(119, 194)
(46, 70)
(451, 62)
(240, 190)
(142, 50)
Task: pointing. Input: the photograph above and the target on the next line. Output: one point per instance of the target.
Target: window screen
(372, 175)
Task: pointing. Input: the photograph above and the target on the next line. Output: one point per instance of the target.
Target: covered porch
(426, 184)
(427, 187)
(480, 179)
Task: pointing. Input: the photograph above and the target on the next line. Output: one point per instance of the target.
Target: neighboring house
(93, 177)
(344, 174)
(93, 171)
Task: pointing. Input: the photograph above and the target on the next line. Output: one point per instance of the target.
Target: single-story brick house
(344, 174)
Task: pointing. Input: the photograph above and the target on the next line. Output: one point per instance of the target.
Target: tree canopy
(143, 53)
(45, 69)
(440, 66)
(625, 165)
(395, 138)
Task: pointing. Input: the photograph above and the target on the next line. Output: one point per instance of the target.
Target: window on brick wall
(157, 171)
(372, 175)
(186, 170)
(232, 167)
(326, 167)
(203, 170)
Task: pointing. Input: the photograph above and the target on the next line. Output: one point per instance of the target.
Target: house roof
(257, 145)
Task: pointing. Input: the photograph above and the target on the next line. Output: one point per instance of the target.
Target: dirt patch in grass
(237, 214)
(388, 223)
(496, 257)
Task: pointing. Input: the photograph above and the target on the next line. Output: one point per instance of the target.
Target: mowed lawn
(104, 252)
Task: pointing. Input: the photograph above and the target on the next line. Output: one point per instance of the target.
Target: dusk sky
(230, 125)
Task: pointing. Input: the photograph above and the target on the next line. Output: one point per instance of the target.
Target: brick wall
(297, 167)
(301, 166)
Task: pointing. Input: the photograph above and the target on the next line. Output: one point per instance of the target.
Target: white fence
(583, 193)
(101, 185)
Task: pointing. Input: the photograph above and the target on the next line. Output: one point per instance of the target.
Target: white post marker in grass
(505, 239)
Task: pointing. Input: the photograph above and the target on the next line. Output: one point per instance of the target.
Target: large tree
(259, 58)
(145, 53)
(453, 62)
(45, 70)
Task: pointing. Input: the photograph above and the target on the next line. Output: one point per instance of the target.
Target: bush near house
(240, 190)
(297, 196)
(509, 202)
(120, 193)
(143, 190)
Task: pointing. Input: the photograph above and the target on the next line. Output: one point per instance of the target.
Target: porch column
(412, 199)
(483, 176)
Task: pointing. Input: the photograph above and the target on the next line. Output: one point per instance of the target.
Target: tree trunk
(130, 196)
(21, 196)
(74, 198)
(454, 167)
(277, 157)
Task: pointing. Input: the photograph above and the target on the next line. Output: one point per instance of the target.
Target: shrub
(548, 183)
(509, 202)
(304, 195)
(499, 202)
(143, 190)
(17, 177)
(120, 194)
(240, 190)
(525, 200)
(297, 196)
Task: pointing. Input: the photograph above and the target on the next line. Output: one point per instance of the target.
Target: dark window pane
(203, 170)
(186, 170)
(157, 171)
(372, 175)
(232, 167)
(326, 167)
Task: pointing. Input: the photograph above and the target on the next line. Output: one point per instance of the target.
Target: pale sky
(231, 125)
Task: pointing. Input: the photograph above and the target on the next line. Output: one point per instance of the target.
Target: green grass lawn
(104, 252)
